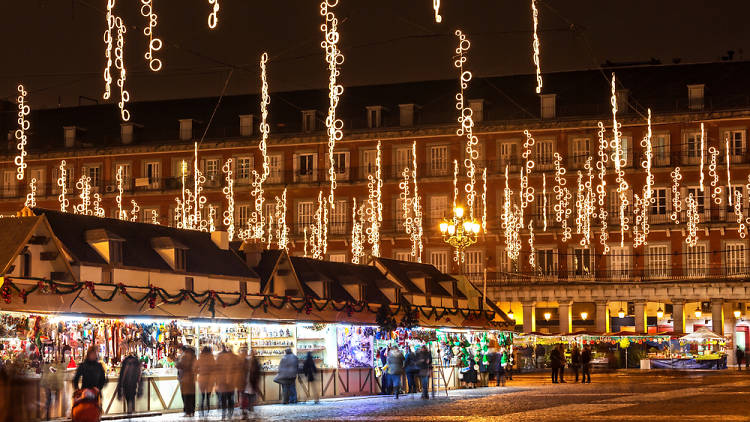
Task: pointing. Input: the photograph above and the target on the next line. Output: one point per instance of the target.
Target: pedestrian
(287, 377)
(508, 355)
(395, 364)
(586, 365)
(186, 369)
(225, 382)
(424, 362)
(555, 359)
(239, 374)
(484, 371)
(385, 379)
(90, 373)
(470, 372)
(539, 353)
(496, 367)
(206, 378)
(575, 360)
(411, 370)
(310, 371)
(562, 363)
(52, 382)
(739, 354)
(129, 382)
(252, 385)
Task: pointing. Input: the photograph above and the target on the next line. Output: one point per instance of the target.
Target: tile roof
(202, 255)
(15, 233)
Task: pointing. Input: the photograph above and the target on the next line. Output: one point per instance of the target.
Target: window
(699, 197)
(474, 265)
(696, 260)
(439, 160)
(735, 259)
(308, 120)
(402, 256)
(274, 165)
(626, 143)
(186, 129)
(440, 260)
(337, 257)
(243, 216)
(548, 106)
(340, 164)
(657, 261)
(10, 184)
(736, 140)
(153, 172)
(539, 209)
(546, 262)
(211, 171)
(246, 125)
(582, 262)
(506, 265)
(660, 149)
(398, 214)
(369, 162)
(305, 213)
(243, 169)
(127, 174)
(402, 159)
(581, 151)
(438, 208)
(695, 96)
(693, 147)
(477, 109)
(543, 153)
(374, 117)
(189, 284)
(93, 172)
(659, 201)
(619, 262)
(730, 208)
(305, 164)
(339, 217)
(508, 155)
(41, 183)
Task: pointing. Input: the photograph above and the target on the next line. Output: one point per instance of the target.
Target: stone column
(641, 322)
(529, 317)
(565, 310)
(678, 316)
(602, 317)
(717, 316)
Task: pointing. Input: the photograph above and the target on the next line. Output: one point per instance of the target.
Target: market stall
(702, 349)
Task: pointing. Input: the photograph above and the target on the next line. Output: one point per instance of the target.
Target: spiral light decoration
(84, 188)
(544, 199)
(358, 236)
(228, 191)
(121, 213)
(484, 201)
(526, 192)
(532, 251)
(466, 121)
(703, 149)
(31, 196)
(134, 211)
(334, 58)
(197, 222)
(693, 220)
(535, 46)
(23, 126)
(212, 219)
(154, 43)
(257, 219)
(417, 247)
(155, 217)
(741, 227)
(729, 176)
(213, 17)
(374, 208)
(62, 182)
(282, 229)
(562, 196)
(648, 188)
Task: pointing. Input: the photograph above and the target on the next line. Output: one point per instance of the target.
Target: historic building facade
(569, 287)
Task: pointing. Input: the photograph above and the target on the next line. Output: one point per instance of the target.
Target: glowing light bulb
(737, 313)
(31, 196)
(451, 229)
(228, 191)
(443, 227)
(436, 8)
(213, 17)
(62, 182)
(154, 43)
(584, 315)
(698, 313)
(459, 212)
(659, 313)
(535, 46)
(335, 59)
(510, 314)
(23, 126)
(547, 316)
(621, 313)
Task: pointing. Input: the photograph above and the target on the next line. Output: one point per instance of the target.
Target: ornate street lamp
(460, 232)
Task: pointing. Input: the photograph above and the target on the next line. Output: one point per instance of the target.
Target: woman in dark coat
(470, 374)
(128, 384)
(186, 373)
(309, 369)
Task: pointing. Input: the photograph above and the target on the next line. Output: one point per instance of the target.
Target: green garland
(209, 298)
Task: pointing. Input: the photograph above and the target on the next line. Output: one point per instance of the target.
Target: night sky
(55, 47)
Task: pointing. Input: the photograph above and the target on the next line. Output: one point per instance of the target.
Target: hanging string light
(270, 231)
(417, 247)
(108, 49)
(741, 227)
(509, 222)
(304, 230)
(31, 196)
(676, 200)
(181, 211)
(729, 176)
(406, 201)
(62, 182)
(334, 58)
(466, 122)
(580, 195)
(703, 149)
(532, 251)
(97, 205)
(601, 189)
(120, 65)
(436, 8)
(121, 213)
(84, 188)
(318, 230)
(213, 17)
(257, 218)
(648, 188)
(526, 192)
(544, 199)
(154, 43)
(484, 202)
(155, 217)
(198, 222)
(211, 218)
(455, 183)
(228, 191)
(357, 235)
(715, 187)
(134, 211)
(282, 229)
(535, 45)
(620, 161)
(693, 220)
(375, 205)
(562, 196)
(23, 126)
(589, 201)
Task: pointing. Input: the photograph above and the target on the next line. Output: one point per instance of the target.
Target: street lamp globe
(660, 313)
(443, 227)
(459, 211)
(737, 313)
(547, 316)
(698, 312)
(584, 315)
(451, 229)
(621, 313)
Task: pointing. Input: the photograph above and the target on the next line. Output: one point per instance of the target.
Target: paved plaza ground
(663, 396)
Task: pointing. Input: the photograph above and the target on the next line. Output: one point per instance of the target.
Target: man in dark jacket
(411, 370)
(90, 373)
(128, 384)
(496, 367)
(739, 354)
(575, 360)
(424, 363)
(287, 377)
(586, 364)
(555, 360)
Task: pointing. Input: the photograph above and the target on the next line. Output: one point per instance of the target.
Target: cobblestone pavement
(612, 397)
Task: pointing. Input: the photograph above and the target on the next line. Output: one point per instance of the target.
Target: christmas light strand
(436, 8)
(375, 206)
(676, 200)
(532, 251)
(693, 220)
(508, 222)
(715, 187)
(282, 229)
(108, 42)
(741, 227)
(258, 219)
(455, 183)
(334, 58)
(703, 149)
(154, 43)
(155, 217)
(526, 191)
(23, 126)
(358, 238)
(648, 188)
(466, 121)
(84, 188)
(212, 218)
(562, 196)
(601, 189)
(62, 182)
(121, 213)
(120, 65)
(97, 206)
(544, 199)
(620, 161)
(535, 45)
(31, 196)
(484, 202)
(213, 17)
(134, 211)
(729, 176)
(417, 246)
(228, 191)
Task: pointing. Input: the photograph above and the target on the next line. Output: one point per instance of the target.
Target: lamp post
(460, 232)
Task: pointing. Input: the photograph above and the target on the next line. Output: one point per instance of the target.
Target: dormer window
(171, 251)
(186, 129)
(70, 134)
(246, 124)
(107, 244)
(406, 114)
(127, 132)
(549, 106)
(696, 96)
(308, 120)
(622, 96)
(374, 116)
(477, 109)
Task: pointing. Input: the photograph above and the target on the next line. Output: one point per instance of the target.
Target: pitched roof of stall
(268, 260)
(340, 274)
(15, 233)
(202, 255)
(405, 270)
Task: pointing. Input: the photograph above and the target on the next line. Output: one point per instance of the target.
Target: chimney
(221, 239)
(253, 252)
(246, 124)
(406, 114)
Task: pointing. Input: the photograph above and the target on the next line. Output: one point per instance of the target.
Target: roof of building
(16, 232)
(405, 271)
(202, 255)
(340, 274)
(580, 94)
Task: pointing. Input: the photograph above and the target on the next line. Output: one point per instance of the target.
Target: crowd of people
(414, 364)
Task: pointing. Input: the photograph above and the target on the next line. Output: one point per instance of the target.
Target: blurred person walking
(555, 360)
(206, 378)
(129, 382)
(91, 378)
(252, 385)
(395, 364)
(52, 382)
(186, 374)
(424, 363)
(586, 364)
(310, 371)
(411, 370)
(225, 381)
(287, 377)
